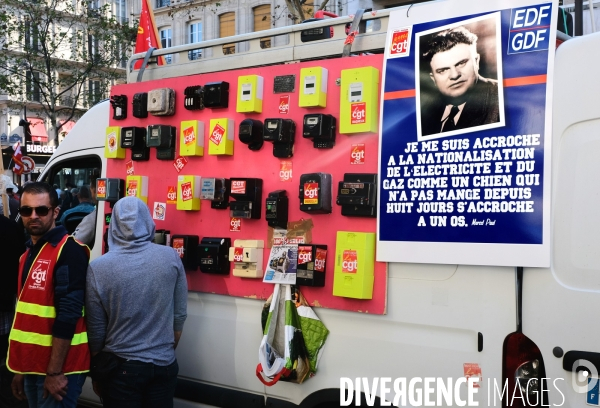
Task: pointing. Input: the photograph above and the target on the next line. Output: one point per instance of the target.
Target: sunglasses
(42, 211)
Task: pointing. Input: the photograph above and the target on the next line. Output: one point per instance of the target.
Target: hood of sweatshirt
(131, 225)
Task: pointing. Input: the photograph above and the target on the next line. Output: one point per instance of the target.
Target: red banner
(147, 36)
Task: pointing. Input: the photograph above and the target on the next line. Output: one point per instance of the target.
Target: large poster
(465, 133)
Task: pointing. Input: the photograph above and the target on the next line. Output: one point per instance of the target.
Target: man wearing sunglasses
(48, 348)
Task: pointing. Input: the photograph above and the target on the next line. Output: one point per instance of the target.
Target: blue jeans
(34, 390)
(141, 385)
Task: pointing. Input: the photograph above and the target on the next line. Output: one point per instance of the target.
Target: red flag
(17, 158)
(147, 35)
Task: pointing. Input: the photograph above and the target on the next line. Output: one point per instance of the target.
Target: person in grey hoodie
(136, 306)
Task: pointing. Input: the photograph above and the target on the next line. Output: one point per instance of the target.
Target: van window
(74, 173)
(70, 174)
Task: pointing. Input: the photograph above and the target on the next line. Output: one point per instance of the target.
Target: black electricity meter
(311, 265)
(163, 138)
(119, 105)
(357, 195)
(321, 129)
(247, 193)
(193, 98)
(216, 95)
(251, 133)
(134, 138)
(216, 190)
(140, 105)
(282, 133)
(213, 255)
(315, 193)
(186, 246)
(109, 189)
(277, 209)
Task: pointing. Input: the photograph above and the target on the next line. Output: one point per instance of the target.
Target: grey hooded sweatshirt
(137, 292)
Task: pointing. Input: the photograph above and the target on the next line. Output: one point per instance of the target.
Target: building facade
(180, 22)
(73, 42)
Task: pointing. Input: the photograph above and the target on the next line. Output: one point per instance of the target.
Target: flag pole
(3, 192)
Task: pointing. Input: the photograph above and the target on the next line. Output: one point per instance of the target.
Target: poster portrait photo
(459, 81)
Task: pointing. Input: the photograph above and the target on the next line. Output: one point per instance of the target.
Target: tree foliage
(63, 54)
(296, 10)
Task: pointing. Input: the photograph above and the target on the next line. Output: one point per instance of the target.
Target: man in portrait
(465, 98)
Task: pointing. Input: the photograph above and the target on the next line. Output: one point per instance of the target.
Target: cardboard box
(220, 137)
(354, 265)
(191, 138)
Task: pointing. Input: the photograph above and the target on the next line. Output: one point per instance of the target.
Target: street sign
(28, 164)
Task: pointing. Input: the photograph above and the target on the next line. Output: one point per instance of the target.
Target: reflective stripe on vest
(30, 339)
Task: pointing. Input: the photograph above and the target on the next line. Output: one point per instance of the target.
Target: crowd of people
(117, 318)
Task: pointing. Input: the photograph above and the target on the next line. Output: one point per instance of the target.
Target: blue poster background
(525, 109)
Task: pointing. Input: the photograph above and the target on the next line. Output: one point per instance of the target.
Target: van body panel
(435, 314)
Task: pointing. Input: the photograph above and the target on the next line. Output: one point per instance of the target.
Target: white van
(442, 320)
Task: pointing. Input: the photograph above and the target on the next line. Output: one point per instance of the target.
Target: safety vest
(30, 340)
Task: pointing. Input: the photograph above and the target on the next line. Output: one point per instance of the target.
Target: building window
(194, 36)
(66, 89)
(165, 42)
(121, 11)
(121, 54)
(162, 3)
(93, 6)
(32, 40)
(262, 21)
(94, 92)
(32, 86)
(227, 29)
(93, 48)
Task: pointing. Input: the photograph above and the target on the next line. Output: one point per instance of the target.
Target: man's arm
(177, 337)
(180, 300)
(96, 318)
(86, 230)
(69, 295)
(55, 383)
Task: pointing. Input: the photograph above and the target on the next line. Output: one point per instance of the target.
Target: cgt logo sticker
(180, 163)
(359, 113)
(311, 193)
(178, 246)
(285, 170)
(400, 43)
(132, 188)
(235, 225)
(349, 261)
(320, 257)
(304, 255)
(171, 195)
(189, 137)
(39, 272)
(186, 191)
(101, 189)
(238, 254)
(284, 104)
(357, 154)
(238, 187)
(217, 134)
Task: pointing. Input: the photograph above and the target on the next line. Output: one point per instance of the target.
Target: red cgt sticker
(217, 134)
(186, 191)
(349, 261)
(235, 225)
